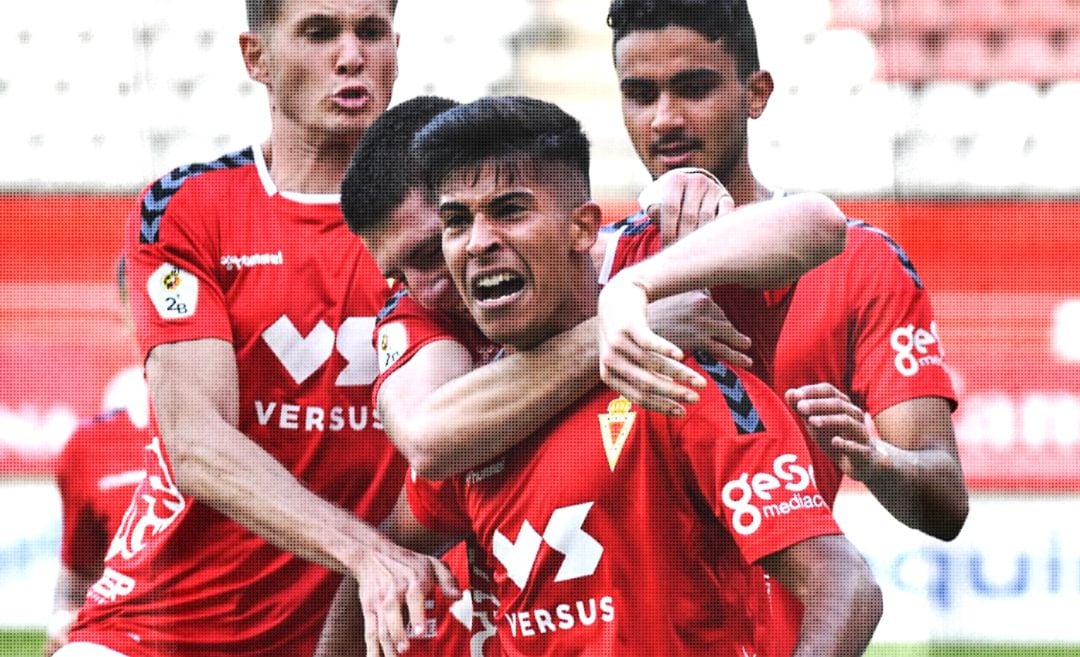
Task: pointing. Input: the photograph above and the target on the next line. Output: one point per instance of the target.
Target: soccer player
(428, 345)
(615, 530)
(254, 307)
(859, 329)
(96, 473)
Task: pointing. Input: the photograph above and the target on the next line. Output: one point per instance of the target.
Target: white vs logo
(303, 355)
(564, 534)
(912, 347)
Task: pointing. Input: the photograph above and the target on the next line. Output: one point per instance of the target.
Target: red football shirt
(214, 251)
(617, 531)
(96, 472)
(861, 321)
(403, 328)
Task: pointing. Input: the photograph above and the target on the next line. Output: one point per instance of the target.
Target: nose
(668, 114)
(350, 57)
(483, 238)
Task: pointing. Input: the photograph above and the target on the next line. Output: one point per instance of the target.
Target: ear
(759, 88)
(585, 222)
(254, 53)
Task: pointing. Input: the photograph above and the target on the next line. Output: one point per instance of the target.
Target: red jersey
(403, 328)
(861, 321)
(618, 531)
(214, 251)
(96, 472)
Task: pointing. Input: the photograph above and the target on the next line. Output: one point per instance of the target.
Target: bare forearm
(222, 468)
(840, 612)
(924, 489)
(762, 245)
(474, 418)
(841, 601)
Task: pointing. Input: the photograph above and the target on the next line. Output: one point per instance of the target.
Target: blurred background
(951, 124)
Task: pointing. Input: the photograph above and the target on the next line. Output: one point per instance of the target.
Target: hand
(840, 428)
(389, 578)
(682, 200)
(694, 322)
(645, 367)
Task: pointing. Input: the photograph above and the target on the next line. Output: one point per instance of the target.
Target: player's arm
(762, 245)
(841, 601)
(71, 587)
(194, 387)
(447, 417)
(343, 633)
(913, 469)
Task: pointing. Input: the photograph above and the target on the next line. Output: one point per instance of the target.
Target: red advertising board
(1003, 277)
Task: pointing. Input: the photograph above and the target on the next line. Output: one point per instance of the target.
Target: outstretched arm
(913, 468)
(762, 245)
(194, 388)
(447, 417)
(344, 632)
(841, 601)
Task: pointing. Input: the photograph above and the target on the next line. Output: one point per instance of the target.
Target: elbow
(829, 227)
(421, 447)
(946, 525)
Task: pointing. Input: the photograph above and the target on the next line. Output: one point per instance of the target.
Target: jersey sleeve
(402, 328)
(437, 504)
(897, 352)
(628, 242)
(171, 253)
(750, 459)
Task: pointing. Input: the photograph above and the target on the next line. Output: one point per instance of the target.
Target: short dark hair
(261, 13)
(729, 20)
(381, 172)
(500, 127)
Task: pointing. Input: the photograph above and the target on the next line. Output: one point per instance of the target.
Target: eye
(372, 30)
(642, 93)
(320, 30)
(427, 258)
(452, 220)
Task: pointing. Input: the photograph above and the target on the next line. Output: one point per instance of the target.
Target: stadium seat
(863, 15)
(904, 59)
(837, 60)
(978, 17)
(915, 17)
(1023, 58)
(947, 109)
(962, 58)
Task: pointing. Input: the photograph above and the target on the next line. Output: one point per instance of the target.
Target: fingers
(724, 353)
(447, 582)
(814, 391)
(652, 390)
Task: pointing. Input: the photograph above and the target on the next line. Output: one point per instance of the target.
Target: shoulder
(157, 197)
(868, 245)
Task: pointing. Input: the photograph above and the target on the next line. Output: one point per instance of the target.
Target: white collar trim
(296, 197)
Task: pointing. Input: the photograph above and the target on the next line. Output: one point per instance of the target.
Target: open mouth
(497, 286)
(351, 97)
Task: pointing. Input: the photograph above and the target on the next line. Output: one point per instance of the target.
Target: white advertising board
(1013, 574)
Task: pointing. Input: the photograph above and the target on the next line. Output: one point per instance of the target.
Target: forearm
(222, 468)
(841, 601)
(762, 245)
(924, 489)
(841, 609)
(475, 417)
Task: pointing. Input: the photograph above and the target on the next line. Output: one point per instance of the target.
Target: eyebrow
(682, 77)
(458, 206)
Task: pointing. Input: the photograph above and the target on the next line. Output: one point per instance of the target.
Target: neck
(578, 306)
(309, 164)
(742, 185)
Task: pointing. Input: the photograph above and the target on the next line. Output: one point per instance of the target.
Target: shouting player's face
(328, 65)
(683, 101)
(408, 247)
(517, 242)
